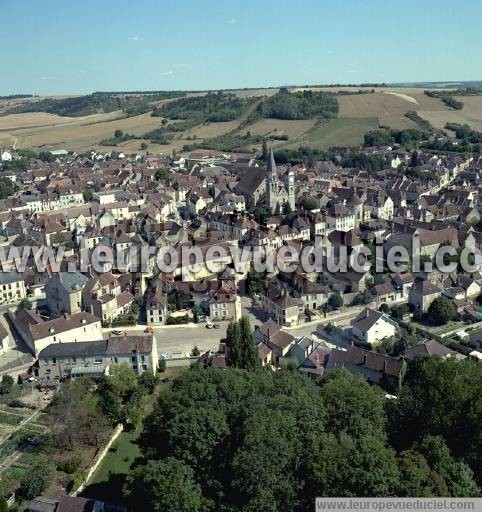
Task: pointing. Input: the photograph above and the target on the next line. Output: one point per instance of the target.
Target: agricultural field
(358, 113)
(470, 114)
(348, 131)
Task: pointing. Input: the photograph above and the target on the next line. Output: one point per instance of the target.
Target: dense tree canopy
(213, 106)
(298, 105)
(442, 310)
(237, 440)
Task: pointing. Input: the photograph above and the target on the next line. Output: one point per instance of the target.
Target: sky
(81, 46)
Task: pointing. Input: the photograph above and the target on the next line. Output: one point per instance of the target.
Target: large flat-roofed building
(94, 358)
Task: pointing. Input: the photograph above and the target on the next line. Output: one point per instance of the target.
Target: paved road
(177, 339)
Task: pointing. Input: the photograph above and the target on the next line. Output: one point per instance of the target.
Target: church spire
(271, 163)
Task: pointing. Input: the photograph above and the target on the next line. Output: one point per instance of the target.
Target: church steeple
(271, 163)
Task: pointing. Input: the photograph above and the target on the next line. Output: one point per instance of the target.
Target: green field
(343, 131)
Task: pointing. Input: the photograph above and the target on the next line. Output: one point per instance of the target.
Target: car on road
(216, 326)
(148, 330)
(209, 325)
(116, 332)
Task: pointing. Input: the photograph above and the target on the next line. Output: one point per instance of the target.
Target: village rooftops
(40, 328)
(111, 346)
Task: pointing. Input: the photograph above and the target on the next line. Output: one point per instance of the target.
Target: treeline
(296, 105)
(17, 96)
(228, 142)
(410, 136)
(236, 440)
(303, 155)
(371, 163)
(451, 146)
(465, 132)
(447, 98)
(119, 136)
(95, 103)
(211, 107)
(415, 117)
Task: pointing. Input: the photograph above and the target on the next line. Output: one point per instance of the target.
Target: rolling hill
(340, 118)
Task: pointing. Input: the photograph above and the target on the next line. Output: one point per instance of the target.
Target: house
(373, 326)
(429, 348)
(224, 303)
(102, 297)
(422, 294)
(339, 217)
(12, 287)
(65, 504)
(273, 336)
(63, 292)
(281, 307)
(156, 305)
(302, 349)
(376, 368)
(314, 365)
(38, 333)
(94, 358)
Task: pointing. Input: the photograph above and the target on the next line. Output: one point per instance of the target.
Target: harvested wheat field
(471, 114)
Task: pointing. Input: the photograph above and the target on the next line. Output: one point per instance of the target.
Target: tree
(309, 203)
(110, 405)
(241, 350)
(233, 344)
(164, 486)
(7, 384)
(122, 380)
(75, 415)
(440, 397)
(143, 146)
(286, 208)
(34, 481)
(335, 300)
(347, 466)
(352, 405)
(3, 505)
(196, 311)
(195, 352)
(442, 310)
(250, 358)
(417, 478)
(458, 477)
(7, 188)
(148, 381)
(26, 304)
(162, 365)
(118, 134)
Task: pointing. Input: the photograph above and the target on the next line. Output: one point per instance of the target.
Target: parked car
(116, 332)
(209, 325)
(148, 330)
(216, 326)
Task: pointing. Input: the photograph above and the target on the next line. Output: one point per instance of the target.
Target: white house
(373, 326)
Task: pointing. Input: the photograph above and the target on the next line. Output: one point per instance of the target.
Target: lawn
(109, 479)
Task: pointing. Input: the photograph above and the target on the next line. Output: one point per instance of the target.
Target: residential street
(179, 340)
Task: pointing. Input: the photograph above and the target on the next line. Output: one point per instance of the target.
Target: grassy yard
(109, 479)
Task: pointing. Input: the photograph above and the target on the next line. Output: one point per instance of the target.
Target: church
(279, 192)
